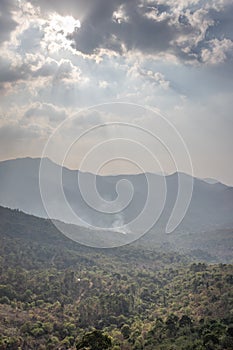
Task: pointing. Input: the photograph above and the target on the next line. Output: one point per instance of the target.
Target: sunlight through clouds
(65, 24)
(175, 56)
(56, 31)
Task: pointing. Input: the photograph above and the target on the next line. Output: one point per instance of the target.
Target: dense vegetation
(55, 294)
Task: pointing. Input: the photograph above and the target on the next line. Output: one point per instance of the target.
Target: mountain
(39, 234)
(209, 214)
(23, 234)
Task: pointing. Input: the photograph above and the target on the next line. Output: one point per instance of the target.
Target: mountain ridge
(209, 181)
(210, 209)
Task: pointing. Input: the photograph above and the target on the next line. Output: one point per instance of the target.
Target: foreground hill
(209, 246)
(57, 294)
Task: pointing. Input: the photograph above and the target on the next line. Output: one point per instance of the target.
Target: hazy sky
(58, 57)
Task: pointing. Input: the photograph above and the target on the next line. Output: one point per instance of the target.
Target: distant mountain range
(210, 210)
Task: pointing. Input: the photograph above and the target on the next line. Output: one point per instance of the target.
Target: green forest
(57, 294)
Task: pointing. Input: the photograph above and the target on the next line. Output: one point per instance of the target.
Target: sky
(162, 66)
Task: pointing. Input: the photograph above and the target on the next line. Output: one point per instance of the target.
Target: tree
(171, 323)
(95, 340)
(125, 330)
(185, 321)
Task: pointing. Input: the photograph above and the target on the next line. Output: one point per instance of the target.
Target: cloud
(154, 78)
(170, 54)
(16, 132)
(9, 73)
(218, 51)
(29, 40)
(136, 32)
(183, 28)
(45, 111)
(16, 140)
(7, 21)
(38, 71)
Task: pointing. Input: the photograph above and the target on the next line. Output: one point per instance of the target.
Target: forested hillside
(56, 294)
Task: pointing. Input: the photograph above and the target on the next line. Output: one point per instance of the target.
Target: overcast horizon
(60, 58)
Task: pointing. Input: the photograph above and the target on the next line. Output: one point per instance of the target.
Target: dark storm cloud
(145, 25)
(100, 30)
(7, 23)
(137, 32)
(141, 30)
(80, 8)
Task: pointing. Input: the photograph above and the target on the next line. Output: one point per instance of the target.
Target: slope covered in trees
(56, 294)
